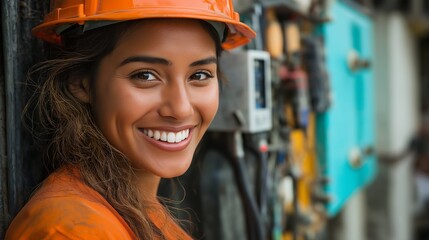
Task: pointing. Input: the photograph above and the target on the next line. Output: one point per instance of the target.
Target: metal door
(345, 133)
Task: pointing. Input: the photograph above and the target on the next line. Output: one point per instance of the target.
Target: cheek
(208, 105)
(214, 107)
(118, 107)
(109, 103)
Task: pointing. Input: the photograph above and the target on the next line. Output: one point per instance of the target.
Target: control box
(245, 95)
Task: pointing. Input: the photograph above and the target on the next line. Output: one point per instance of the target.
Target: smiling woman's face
(155, 95)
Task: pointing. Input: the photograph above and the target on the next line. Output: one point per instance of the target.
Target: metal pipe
(255, 226)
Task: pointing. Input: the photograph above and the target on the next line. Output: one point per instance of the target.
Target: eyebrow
(157, 60)
(146, 59)
(205, 61)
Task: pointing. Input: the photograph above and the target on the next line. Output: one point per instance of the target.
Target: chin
(173, 170)
(172, 174)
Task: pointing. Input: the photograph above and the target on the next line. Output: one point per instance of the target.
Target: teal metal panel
(347, 129)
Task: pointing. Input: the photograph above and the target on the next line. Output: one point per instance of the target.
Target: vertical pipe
(255, 227)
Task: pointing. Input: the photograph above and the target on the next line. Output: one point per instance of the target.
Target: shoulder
(67, 215)
(166, 224)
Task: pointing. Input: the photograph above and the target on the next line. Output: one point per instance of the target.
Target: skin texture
(161, 76)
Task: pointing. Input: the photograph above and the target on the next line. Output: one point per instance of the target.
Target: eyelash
(207, 74)
(139, 75)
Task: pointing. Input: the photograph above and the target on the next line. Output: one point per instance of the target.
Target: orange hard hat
(68, 12)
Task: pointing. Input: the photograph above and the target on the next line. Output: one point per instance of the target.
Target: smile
(170, 137)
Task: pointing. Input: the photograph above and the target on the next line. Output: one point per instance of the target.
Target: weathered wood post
(20, 165)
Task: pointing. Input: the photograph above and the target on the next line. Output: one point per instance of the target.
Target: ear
(79, 87)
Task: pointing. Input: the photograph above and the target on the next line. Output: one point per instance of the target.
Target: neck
(148, 184)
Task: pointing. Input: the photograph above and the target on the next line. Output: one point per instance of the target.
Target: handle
(357, 156)
(357, 63)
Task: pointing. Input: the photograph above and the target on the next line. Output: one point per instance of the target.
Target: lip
(172, 147)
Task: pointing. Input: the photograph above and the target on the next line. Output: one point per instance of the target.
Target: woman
(123, 103)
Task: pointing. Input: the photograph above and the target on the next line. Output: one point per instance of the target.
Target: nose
(176, 102)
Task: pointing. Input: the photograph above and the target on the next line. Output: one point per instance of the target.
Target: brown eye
(201, 76)
(143, 75)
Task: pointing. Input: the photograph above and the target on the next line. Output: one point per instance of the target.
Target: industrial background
(322, 131)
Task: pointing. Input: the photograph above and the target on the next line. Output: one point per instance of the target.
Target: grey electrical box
(245, 97)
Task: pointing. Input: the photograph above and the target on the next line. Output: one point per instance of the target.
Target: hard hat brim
(239, 33)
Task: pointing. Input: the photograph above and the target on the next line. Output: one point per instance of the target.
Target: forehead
(180, 42)
(154, 33)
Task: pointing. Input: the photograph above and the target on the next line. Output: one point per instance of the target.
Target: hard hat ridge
(72, 31)
(95, 13)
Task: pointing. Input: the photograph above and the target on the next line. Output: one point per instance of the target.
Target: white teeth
(170, 137)
(164, 136)
(157, 135)
(178, 136)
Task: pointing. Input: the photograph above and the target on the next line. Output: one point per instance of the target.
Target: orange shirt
(65, 208)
